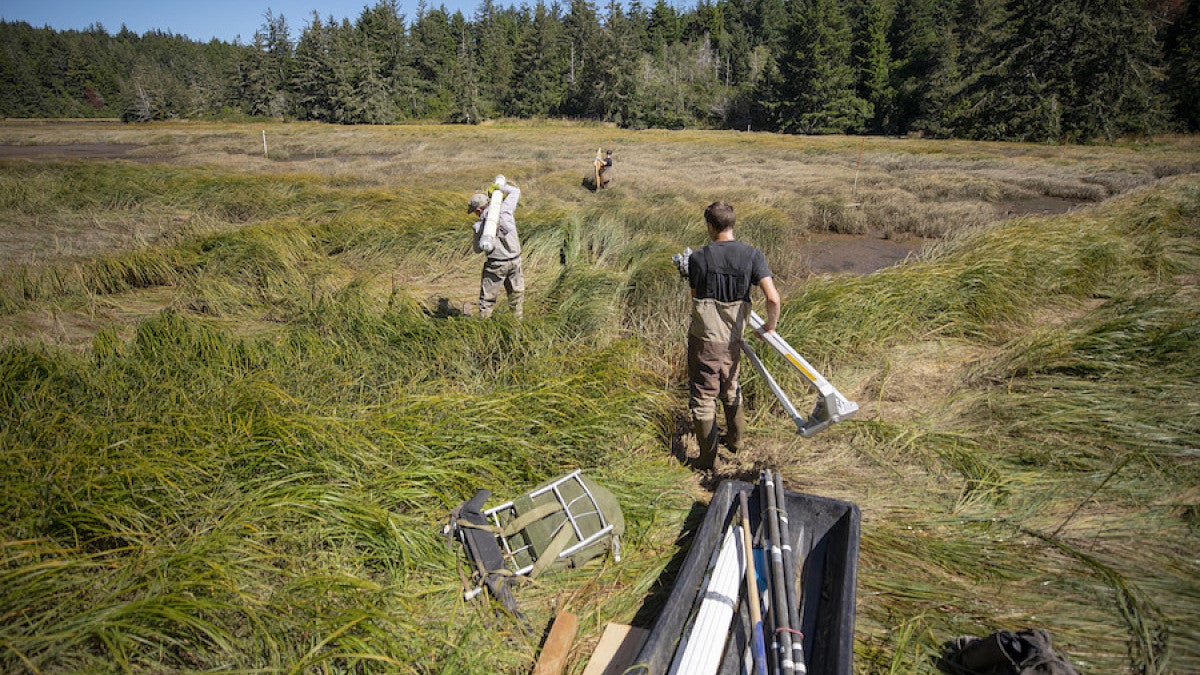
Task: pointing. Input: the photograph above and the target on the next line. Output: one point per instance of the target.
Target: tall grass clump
(1123, 378)
(22, 285)
(79, 191)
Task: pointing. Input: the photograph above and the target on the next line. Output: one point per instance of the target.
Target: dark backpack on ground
(1026, 652)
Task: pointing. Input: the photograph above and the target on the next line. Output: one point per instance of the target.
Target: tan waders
(714, 351)
(501, 274)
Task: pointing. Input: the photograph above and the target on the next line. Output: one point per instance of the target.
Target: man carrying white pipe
(721, 276)
(496, 236)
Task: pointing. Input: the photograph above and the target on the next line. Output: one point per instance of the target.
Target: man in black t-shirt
(721, 275)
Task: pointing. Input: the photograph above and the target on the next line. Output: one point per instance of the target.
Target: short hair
(477, 201)
(719, 215)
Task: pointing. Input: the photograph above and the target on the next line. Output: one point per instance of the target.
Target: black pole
(763, 539)
(783, 637)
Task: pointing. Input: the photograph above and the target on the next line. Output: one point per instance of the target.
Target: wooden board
(554, 653)
(615, 652)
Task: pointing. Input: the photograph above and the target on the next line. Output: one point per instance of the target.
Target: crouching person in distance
(503, 265)
(721, 275)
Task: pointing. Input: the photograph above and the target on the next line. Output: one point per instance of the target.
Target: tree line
(1067, 70)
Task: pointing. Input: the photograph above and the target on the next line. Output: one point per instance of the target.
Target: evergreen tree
(664, 27)
(615, 82)
(1183, 65)
(494, 43)
(638, 32)
(584, 45)
(872, 56)
(383, 30)
(211, 83)
(817, 94)
(315, 84)
(680, 88)
(1074, 69)
(541, 83)
(24, 96)
(150, 93)
(465, 81)
(985, 27)
(265, 72)
(769, 25)
(435, 53)
(925, 70)
(385, 52)
(995, 69)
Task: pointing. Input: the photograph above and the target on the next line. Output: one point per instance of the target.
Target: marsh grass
(248, 494)
(1070, 443)
(253, 478)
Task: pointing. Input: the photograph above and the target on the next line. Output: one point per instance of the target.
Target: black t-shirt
(726, 270)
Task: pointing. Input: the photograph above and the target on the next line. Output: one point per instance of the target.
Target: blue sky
(200, 20)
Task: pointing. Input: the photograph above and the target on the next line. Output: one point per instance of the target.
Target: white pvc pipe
(701, 650)
(487, 239)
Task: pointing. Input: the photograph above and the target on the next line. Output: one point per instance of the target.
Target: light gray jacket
(508, 244)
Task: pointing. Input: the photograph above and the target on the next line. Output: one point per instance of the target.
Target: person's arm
(476, 229)
(767, 284)
(694, 273)
(512, 194)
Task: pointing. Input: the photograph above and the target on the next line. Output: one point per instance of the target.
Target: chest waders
(714, 341)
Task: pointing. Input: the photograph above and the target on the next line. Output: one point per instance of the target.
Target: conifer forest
(1024, 70)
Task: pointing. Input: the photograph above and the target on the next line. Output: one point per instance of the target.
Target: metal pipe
(783, 638)
(786, 402)
(790, 572)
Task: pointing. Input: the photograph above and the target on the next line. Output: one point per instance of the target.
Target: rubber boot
(706, 436)
(735, 427)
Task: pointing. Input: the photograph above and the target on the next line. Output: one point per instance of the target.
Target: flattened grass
(273, 504)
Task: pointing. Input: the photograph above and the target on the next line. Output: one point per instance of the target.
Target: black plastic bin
(825, 534)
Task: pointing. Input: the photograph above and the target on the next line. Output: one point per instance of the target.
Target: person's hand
(500, 182)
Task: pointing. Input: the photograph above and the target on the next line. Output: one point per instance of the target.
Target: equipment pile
(768, 587)
(770, 590)
(563, 523)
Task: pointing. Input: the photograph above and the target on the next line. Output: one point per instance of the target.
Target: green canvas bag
(562, 523)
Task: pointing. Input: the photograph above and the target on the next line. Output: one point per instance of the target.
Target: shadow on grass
(444, 310)
(662, 587)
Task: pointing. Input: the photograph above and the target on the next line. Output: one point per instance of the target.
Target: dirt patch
(829, 253)
(76, 151)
